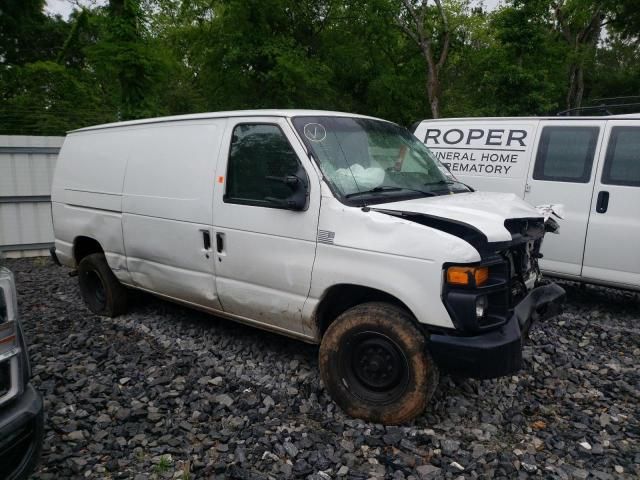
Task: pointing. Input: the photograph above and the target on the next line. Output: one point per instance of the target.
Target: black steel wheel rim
(374, 367)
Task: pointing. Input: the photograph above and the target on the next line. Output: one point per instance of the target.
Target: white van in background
(333, 228)
(591, 165)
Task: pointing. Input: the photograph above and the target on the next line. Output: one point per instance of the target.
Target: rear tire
(100, 289)
(375, 365)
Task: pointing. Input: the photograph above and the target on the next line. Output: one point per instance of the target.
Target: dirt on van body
(165, 390)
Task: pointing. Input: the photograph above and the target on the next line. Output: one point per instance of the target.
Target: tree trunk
(414, 27)
(576, 86)
(583, 42)
(572, 86)
(433, 92)
(579, 87)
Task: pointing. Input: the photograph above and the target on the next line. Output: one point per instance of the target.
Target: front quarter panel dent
(401, 258)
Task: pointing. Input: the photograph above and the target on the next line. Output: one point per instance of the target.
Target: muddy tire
(375, 365)
(100, 289)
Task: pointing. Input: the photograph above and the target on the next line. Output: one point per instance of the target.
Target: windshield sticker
(315, 132)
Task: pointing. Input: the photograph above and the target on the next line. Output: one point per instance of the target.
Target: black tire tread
(115, 292)
(396, 321)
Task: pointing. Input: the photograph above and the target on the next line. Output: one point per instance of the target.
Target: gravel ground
(164, 391)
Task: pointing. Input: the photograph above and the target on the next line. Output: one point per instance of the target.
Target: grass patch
(163, 465)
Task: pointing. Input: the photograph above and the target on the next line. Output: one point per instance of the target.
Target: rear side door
(613, 235)
(166, 209)
(563, 172)
(264, 252)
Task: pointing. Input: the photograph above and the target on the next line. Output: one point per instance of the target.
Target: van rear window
(565, 154)
(622, 164)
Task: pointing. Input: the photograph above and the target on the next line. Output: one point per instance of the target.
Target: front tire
(99, 287)
(375, 365)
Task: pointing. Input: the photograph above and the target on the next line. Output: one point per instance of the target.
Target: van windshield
(374, 161)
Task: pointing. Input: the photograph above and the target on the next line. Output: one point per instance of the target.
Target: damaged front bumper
(498, 352)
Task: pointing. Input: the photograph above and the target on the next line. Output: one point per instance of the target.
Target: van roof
(629, 116)
(288, 113)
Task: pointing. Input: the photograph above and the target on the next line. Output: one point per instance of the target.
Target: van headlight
(11, 384)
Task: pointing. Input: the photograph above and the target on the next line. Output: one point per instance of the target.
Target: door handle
(220, 242)
(603, 202)
(206, 239)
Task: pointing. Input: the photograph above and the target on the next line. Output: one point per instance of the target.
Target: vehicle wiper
(387, 188)
(373, 190)
(449, 182)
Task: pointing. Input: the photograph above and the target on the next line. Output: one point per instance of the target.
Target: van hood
(484, 211)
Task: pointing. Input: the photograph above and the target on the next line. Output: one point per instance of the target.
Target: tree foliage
(398, 59)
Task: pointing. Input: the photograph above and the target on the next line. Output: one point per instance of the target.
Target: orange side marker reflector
(463, 275)
(220, 179)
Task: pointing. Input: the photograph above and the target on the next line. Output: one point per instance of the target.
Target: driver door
(264, 251)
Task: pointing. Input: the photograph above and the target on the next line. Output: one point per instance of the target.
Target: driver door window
(259, 151)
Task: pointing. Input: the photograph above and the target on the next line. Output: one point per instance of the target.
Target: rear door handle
(603, 202)
(206, 239)
(220, 242)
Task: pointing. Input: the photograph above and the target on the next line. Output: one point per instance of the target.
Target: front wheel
(99, 287)
(374, 363)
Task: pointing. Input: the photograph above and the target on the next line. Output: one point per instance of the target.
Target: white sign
(481, 150)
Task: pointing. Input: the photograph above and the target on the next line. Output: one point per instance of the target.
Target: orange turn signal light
(463, 275)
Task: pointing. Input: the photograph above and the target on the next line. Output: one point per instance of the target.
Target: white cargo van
(591, 165)
(332, 228)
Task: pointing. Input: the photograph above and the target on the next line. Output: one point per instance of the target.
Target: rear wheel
(374, 363)
(100, 289)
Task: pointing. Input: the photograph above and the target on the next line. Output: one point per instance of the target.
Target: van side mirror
(298, 183)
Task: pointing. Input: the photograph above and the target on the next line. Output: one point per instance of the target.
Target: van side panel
(72, 221)
(167, 205)
(365, 250)
(488, 154)
(87, 195)
(170, 173)
(91, 163)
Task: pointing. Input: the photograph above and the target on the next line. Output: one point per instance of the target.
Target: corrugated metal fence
(26, 172)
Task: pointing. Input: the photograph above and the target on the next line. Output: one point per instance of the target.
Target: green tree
(397, 59)
(616, 74)
(580, 24)
(624, 19)
(376, 69)
(36, 94)
(526, 61)
(125, 60)
(46, 98)
(428, 27)
(27, 34)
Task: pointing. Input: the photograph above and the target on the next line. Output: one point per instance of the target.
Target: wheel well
(83, 246)
(341, 298)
